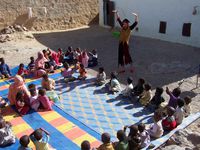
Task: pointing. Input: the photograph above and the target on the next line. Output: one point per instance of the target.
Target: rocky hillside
(48, 14)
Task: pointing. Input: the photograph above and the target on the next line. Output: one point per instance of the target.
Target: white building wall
(151, 12)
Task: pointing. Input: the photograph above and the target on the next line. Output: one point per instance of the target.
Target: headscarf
(15, 87)
(40, 61)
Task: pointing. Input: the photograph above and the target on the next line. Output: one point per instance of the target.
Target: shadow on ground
(159, 62)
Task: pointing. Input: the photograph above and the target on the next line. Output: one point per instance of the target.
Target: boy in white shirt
(156, 129)
(179, 114)
(127, 91)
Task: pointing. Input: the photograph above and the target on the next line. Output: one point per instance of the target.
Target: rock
(6, 30)
(18, 28)
(24, 28)
(4, 38)
(30, 36)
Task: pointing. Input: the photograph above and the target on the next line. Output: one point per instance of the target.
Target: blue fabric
(4, 69)
(36, 121)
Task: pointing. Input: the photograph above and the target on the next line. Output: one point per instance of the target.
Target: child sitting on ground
(60, 55)
(48, 83)
(52, 63)
(31, 65)
(24, 142)
(187, 109)
(85, 59)
(67, 73)
(107, 145)
(82, 72)
(69, 56)
(139, 88)
(146, 95)
(144, 135)
(22, 71)
(123, 141)
(127, 91)
(101, 77)
(133, 137)
(85, 145)
(156, 129)
(93, 61)
(34, 103)
(40, 140)
(157, 98)
(179, 114)
(174, 96)
(169, 123)
(6, 135)
(114, 85)
(4, 69)
(45, 103)
(21, 106)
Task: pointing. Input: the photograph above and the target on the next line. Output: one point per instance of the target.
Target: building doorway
(109, 16)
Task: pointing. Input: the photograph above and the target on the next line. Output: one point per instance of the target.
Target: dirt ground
(160, 63)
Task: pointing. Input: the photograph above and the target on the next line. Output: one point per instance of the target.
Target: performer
(124, 57)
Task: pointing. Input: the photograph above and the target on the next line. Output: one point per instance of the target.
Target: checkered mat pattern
(97, 109)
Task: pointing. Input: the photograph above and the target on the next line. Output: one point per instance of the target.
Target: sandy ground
(160, 63)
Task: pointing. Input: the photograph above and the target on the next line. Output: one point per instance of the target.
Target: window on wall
(186, 29)
(163, 26)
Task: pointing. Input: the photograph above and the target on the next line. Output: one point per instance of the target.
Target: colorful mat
(97, 109)
(83, 113)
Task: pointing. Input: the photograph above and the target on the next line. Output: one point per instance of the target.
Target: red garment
(45, 102)
(169, 123)
(22, 71)
(22, 108)
(55, 57)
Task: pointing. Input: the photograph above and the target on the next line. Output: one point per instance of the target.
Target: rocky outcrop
(48, 14)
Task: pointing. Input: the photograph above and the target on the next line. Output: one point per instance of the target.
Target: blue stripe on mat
(57, 139)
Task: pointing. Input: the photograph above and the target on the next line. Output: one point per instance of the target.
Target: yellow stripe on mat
(87, 137)
(66, 128)
(19, 125)
(51, 116)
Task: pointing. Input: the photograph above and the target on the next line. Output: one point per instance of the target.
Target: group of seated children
(68, 72)
(39, 137)
(24, 98)
(139, 137)
(88, 59)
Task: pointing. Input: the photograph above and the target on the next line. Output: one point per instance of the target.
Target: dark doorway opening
(109, 16)
(163, 26)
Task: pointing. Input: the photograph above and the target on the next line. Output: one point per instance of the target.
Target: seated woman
(40, 65)
(15, 87)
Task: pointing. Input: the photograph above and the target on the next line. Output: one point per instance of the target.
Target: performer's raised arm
(118, 18)
(135, 23)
